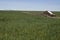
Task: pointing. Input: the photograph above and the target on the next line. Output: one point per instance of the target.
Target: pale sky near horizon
(52, 5)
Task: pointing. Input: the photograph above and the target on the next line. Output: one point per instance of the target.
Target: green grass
(17, 25)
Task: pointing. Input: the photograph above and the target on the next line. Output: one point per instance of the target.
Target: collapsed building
(49, 13)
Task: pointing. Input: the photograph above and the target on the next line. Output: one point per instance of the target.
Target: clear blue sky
(52, 5)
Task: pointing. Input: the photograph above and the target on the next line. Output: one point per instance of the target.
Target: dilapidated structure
(48, 13)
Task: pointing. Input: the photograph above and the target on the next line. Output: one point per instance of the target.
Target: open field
(28, 25)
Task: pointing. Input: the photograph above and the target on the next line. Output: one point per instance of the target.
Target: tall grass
(16, 25)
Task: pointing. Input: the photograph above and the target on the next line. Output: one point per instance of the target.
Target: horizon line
(23, 10)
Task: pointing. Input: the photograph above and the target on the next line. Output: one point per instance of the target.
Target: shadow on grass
(4, 19)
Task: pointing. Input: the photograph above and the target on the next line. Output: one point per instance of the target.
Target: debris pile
(49, 13)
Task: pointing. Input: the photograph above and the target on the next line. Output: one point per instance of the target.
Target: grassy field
(23, 25)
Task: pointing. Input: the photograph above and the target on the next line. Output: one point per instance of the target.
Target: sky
(38, 5)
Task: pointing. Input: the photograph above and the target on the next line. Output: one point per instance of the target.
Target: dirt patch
(44, 14)
(27, 12)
